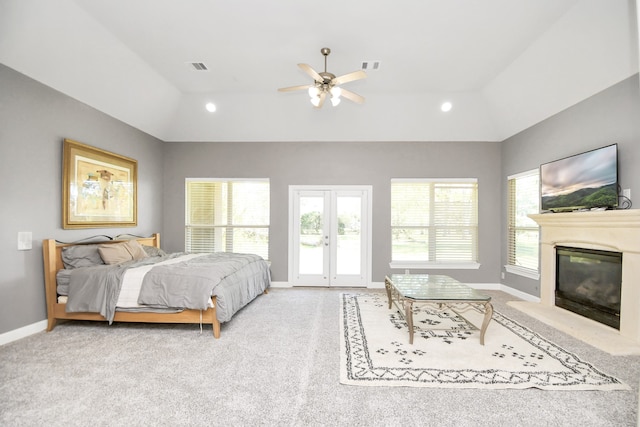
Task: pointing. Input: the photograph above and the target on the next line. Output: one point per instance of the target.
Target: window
(524, 199)
(434, 223)
(227, 216)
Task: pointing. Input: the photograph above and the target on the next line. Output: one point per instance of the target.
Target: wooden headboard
(52, 250)
(52, 254)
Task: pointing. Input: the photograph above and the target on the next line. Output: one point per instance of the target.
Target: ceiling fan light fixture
(335, 92)
(325, 84)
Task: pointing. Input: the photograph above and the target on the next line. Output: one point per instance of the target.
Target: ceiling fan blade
(323, 96)
(313, 73)
(351, 96)
(356, 75)
(288, 89)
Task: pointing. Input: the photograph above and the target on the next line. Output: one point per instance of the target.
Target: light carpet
(446, 352)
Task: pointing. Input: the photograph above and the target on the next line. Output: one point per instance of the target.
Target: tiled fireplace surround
(615, 230)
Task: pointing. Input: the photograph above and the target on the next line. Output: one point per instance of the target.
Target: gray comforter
(235, 280)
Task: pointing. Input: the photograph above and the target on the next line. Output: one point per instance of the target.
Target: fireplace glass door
(589, 283)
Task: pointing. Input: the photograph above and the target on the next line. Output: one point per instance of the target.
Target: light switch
(24, 240)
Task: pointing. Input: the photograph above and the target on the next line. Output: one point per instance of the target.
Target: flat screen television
(584, 181)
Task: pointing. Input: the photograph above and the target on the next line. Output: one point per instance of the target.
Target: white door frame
(367, 228)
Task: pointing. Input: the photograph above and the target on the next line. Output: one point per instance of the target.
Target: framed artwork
(99, 188)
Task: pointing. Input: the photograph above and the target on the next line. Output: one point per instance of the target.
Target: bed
(133, 280)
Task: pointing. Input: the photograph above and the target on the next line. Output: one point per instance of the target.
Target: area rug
(446, 352)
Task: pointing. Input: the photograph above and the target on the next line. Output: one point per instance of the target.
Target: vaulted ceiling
(503, 64)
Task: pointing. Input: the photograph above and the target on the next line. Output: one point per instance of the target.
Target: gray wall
(612, 116)
(331, 163)
(34, 119)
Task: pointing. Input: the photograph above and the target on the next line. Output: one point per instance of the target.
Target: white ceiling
(505, 64)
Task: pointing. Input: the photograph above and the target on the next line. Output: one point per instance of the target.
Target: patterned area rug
(446, 352)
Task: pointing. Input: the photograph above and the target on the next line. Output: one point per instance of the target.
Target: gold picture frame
(99, 188)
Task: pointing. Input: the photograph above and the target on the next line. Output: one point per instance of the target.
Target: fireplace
(589, 283)
(611, 231)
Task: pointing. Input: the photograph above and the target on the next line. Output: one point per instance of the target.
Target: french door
(329, 235)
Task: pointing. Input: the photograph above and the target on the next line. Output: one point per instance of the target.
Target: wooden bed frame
(52, 252)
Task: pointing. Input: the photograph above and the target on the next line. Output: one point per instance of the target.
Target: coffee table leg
(388, 286)
(488, 314)
(408, 316)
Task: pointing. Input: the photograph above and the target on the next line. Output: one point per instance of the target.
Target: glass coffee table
(404, 290)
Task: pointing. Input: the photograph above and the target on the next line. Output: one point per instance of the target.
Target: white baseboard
(522, 295)
(280, 285)
(372, 285)
(505, 288)
(23, 332)
(487, 286)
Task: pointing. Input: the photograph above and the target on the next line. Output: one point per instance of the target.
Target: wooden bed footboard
(52, 255)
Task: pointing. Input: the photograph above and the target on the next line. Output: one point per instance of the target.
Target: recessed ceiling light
(211, 107)
(446, 106)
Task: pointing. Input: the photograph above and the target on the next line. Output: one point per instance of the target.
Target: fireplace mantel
(614, 230)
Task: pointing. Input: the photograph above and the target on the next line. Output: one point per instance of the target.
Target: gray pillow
(153, 251)
(81, 256)
(63, 277)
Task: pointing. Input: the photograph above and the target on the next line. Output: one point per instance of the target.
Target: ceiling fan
(327, 84)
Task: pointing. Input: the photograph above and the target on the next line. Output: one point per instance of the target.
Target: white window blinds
(524, 199)
(434, 221)
(227, 216)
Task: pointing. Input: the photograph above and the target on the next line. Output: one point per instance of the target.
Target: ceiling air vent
(198, 66)
(371, 65)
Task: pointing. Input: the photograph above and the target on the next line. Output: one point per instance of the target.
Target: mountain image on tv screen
(584, 181)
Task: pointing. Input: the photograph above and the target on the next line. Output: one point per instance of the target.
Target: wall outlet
(24, 241)
(502, 274)
(627, 193)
